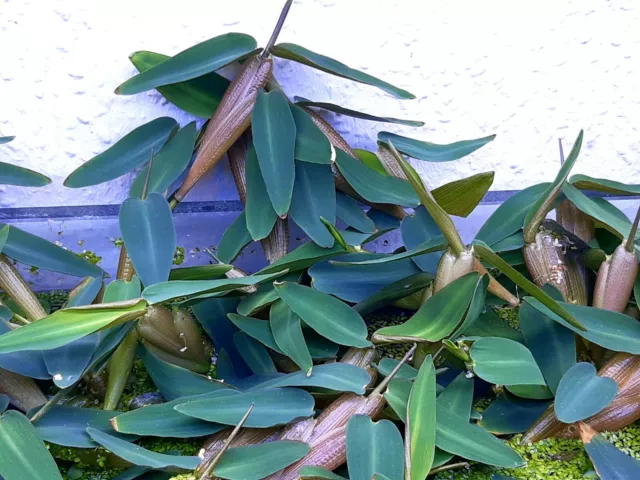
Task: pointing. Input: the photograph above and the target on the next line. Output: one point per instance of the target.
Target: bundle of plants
(512, 354)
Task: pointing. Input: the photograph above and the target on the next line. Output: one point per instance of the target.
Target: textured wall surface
(529, 72)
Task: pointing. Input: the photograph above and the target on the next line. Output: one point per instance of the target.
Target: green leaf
(264, 296)
(27, 363)
(487, 255)
(437, 317)
(386, 366)
(552, 345)
(4, 403)
(585, 182)
(461, 197)
(338, 376)
(432, 245)
(507, 415)
(164, 421)
(371, 160)
(168, 163)
(291, 51)
(373, 448)
(532, 392)
(120, 290)
(610, 462)
(260, 215)
(454, 434)
(23, 455)
(254, 354)
(458, 396)
(199, 96)
(140, 456)
(348, 210)
(67, 325)
(23, 177)
(490, 325)
(311, 144)
(67, 364)
(394, 292)
(303, 102)
(234, 239)
(303, 257)
(87, 292)
(582, 393)
(32, 250)
(254, 462)
(509, 216)
(421, 419)
(476, 307)
(313, 198)
(175, 382)
(4, 140)
(505, 362)
(258, 329)
(309, 472)
(127, 154)
(150, 237)
(200, 272)
(287, 333)
(433, 152)
(274, 138)
(203, 58)
(325, 314)
(397, 395)
(612, 330)
(273, 406)
(512, 242)
(415, 230)
(161, 292)
(374, 186)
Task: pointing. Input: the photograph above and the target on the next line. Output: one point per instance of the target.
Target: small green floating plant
(509, 357)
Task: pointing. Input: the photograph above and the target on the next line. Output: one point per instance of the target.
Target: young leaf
(287, 333)
(303, 102)
(461, 197)
(274, 138)
(23, 177)
(200, 272)
(199, 96)
(585, 182)
(504, 362)
(421, 422)
(23, 455)
(254, 354)
(508, 414)
(127, 154)
(260, 215)
(195, 61)
(311, 144)
(609, 462)
(393, 292)
(150, 237)
(305, 56)
(325, 314)
(433, 152)
(371, 160)
(234, 239)
(582, 393)
(373, 448)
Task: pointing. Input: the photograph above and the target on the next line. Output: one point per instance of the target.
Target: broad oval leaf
(508, 414)
(258, 329)
(327, 315)
(311, 144)
(582, 393)
(393, 292)
(140, 456)
(254, 354)
(203, 58)
(150, 237)
(199, 96)
(504, 362)
(433, 152)
(65, 326)
(303, 102)
(397, 395)
(287, 333)
(273, 406)
(23, 454)
(254, 462)
(259, 213)
(461, 197)
(585, 182)
(348, 210)
(274, 138)
(234, 239)
(458, 396)
(23, 177)
(421, 421)
(127, 154)
(120, 290)
(67, 364)
(314, 197)
(374, 448)
(168, 163)
(374, 186)
(291, 51)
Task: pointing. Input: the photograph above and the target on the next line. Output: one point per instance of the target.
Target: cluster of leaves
(296, 392)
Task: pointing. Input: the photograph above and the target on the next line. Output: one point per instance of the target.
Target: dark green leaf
(393, 292)
(273, 406)
(302, 258)
(585, 182)
(23, 177)
(258, 329)
(507, 415)
(264, 296)
(313, 198)
(325, 314)
(23, 455)
(234, 239)
(476, 307)
(386, 366)
(287, 333)
(200, 272)
(397, 395)
(303, 102)
(311, 144)
(458, 396)
(490, 325)
(348, 210)
(67, 364)
(150, 237)
(86, 294)
(254, 354)
(432, 245)
(4, 403)
(504, 362)
(254, 462)
(512, 242)
(374, 186)
(309, 472)
(140, 456)
(6, 139)
(199, 96)
(421, 419)
(127, 154)
(168, 163)
(305, 56)
(274, 138)
(582, 393)
(433, 152)
(120, 290)
(260, 215)
(374, 448)
(609, 462)
(416, 229)
(532, 392)
(28, 363)
(203, 58)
